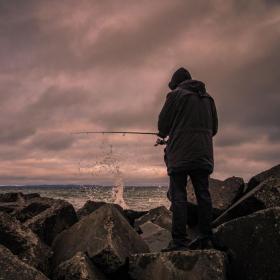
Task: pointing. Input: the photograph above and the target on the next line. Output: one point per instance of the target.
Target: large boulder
(78, 267)
(90, 206)
(223, 193)
(155, 236)
(45, 216)
(32, 208)
(24, 243)
(13, 268)
(16, 196)
(160, 216)
(8, 207)
(104, 235)
(255, 242)
(189, 265)
(50, 222)
(257, 179)
(265, 195)
(132, 215)
(13, 202)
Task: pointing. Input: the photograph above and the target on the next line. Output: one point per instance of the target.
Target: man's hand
(160, 142)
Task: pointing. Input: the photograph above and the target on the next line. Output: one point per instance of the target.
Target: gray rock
(90, 206)
(78, 267)
(104, 235)
(159, 216)
(255, 242)
(8, 207)
(192, 265)
(46, 216)
(32, 208)
(13, 202)
(31, 195)
(11, 197)
(50, 222)
(155, 236)
(223, 193)
(12, 268)
(265, 195)
(257, 179)
(24, 243)
(163, 218)
(132, 215)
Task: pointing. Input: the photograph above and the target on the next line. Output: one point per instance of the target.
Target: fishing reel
(160, 141)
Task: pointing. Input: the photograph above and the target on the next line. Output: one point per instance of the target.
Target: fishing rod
(115, 132)
(158, 142)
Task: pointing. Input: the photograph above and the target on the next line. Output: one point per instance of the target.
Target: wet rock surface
(223, 193)
(12, 268)
(104, 235)
(160, 216)
(78, 267)
(21, 241)
(14, 202)
(45, 216)
(17, 197)
(255, 242)
(265, 195)
(199, 265)
(50, 222)
(155, 236)
(257, 179)
(90, 206)
(32, 208)
(132, 215)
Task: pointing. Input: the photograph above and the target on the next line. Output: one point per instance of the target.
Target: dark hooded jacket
(189, 118)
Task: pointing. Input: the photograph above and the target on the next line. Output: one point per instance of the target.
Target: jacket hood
(179, 76)
(194, 86)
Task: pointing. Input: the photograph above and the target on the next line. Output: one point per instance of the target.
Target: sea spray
(108, 164)
(110, 161)
(113, 164)
(89, 192)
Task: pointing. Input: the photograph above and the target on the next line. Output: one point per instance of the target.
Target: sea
(129, 197)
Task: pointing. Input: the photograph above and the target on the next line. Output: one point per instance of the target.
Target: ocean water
(132, 197)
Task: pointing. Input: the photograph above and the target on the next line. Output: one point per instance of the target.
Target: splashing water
(109, 163)
(113, 163)
(118, 190)
(89, 192)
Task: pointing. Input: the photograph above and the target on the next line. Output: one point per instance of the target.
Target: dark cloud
(52, 108)
(51, 141)
(147, 34)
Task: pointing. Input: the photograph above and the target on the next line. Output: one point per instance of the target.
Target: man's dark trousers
(178, 197)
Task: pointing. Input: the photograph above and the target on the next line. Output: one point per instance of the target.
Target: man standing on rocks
(189, 118)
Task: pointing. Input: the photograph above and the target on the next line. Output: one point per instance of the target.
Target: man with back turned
(189, 118)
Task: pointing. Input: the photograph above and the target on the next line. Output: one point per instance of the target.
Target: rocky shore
(44, 238)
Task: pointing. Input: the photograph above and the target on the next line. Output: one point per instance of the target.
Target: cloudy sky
(105, 65)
